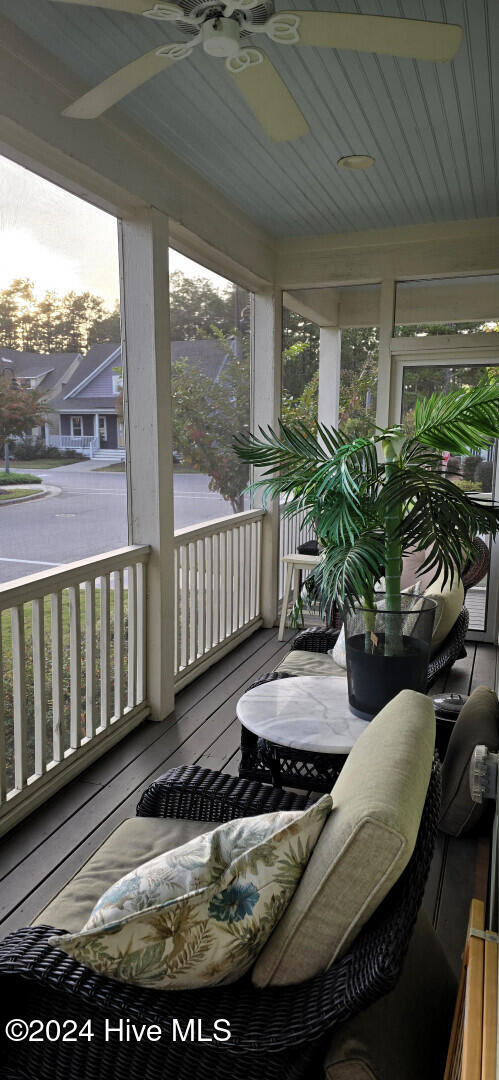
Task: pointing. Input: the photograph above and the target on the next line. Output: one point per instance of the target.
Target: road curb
(46, 492)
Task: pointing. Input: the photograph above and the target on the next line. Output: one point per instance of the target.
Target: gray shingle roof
(204, 353)
(29, 365)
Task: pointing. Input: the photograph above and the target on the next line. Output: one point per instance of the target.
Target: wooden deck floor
(42, 853)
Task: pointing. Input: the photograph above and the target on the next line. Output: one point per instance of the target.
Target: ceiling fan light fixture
(356, 161)
(221, 37)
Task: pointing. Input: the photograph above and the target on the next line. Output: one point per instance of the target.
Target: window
(300, 370)
(59, 323)
(117, 382)
(103, 428)
(210, 357)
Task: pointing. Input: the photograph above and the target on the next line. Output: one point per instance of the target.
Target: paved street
(88, 517)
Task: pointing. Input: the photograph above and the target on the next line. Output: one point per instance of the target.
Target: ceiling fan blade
(128, 78)
(413, 38)
(267, 95)
(135, 7)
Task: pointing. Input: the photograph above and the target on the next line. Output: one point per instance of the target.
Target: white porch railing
(217, 589)
(72, 672)
(85, 443)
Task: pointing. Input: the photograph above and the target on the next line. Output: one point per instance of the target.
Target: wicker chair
(276, 1034)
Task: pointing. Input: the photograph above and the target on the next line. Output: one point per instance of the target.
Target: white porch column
(329, 375)
(266, 383)
(386, 319)
(147, 412)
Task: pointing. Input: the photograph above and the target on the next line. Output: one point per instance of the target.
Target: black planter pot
(387, 652)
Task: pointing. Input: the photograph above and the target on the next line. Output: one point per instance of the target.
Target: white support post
(266, 377)
(329, 375)
(147, 395)
(386, 319)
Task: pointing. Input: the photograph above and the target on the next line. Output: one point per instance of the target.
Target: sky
(61, 242)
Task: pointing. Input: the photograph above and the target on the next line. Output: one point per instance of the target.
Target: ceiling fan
(225, 29)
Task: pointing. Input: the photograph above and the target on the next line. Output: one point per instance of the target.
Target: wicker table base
(270, 763)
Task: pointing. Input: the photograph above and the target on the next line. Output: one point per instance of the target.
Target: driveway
(88, 517)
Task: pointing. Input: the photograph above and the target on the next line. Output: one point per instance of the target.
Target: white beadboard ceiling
(432, 128)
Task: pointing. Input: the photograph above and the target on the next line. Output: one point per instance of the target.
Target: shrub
(484, 474)
(18, 478)
(454, 466)
(469, 466)
(31, 449)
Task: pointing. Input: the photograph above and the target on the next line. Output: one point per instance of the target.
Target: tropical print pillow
(200, 914)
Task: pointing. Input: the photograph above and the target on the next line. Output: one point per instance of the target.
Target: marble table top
(309, 712)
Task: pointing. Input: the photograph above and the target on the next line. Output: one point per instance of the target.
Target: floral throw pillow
(200, 914)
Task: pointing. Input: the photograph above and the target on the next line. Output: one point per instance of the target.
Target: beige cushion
(449, 600)
(298, 662)
(404, 1035)
(198, 915)
(132, 843)
(364, 846)
(411, 564)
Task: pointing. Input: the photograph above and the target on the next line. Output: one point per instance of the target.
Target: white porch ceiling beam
(115, 163)
(442, 249)
(317, 305)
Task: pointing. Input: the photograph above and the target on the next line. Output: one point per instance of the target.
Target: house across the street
(84, 393)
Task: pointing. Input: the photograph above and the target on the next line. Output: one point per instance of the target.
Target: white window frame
(100, 417)
(76, 416)
(454, 350)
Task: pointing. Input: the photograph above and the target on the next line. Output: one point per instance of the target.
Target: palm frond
(438, 518)
(348, 571)
(462, 421)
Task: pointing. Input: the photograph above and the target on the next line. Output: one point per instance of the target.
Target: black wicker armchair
(275, 1033)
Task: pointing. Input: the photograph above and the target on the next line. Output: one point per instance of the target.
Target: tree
(196, 305)
(53, 323)
(20, 410)
(208, 413)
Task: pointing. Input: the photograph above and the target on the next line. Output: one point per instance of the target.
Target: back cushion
(449, 600)
(411, 564)
(364, 846)
(478, 722)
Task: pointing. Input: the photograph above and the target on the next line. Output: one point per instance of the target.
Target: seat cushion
(134, 841)
(477, 723)
(299, 662)
(365, 844)
(197, 916)
(449, 600)
(404, 1035)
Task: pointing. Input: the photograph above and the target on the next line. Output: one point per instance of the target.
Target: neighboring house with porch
(88, 408)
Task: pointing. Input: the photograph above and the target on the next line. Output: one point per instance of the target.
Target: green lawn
(18, 494)
(117, 466)
(45, 463)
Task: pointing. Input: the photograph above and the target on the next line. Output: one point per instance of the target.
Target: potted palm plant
(372, 500)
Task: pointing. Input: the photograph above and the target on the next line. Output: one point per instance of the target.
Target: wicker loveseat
(322, 638)
(276, 1033)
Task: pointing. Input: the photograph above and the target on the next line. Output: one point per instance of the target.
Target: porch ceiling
(431, 127)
